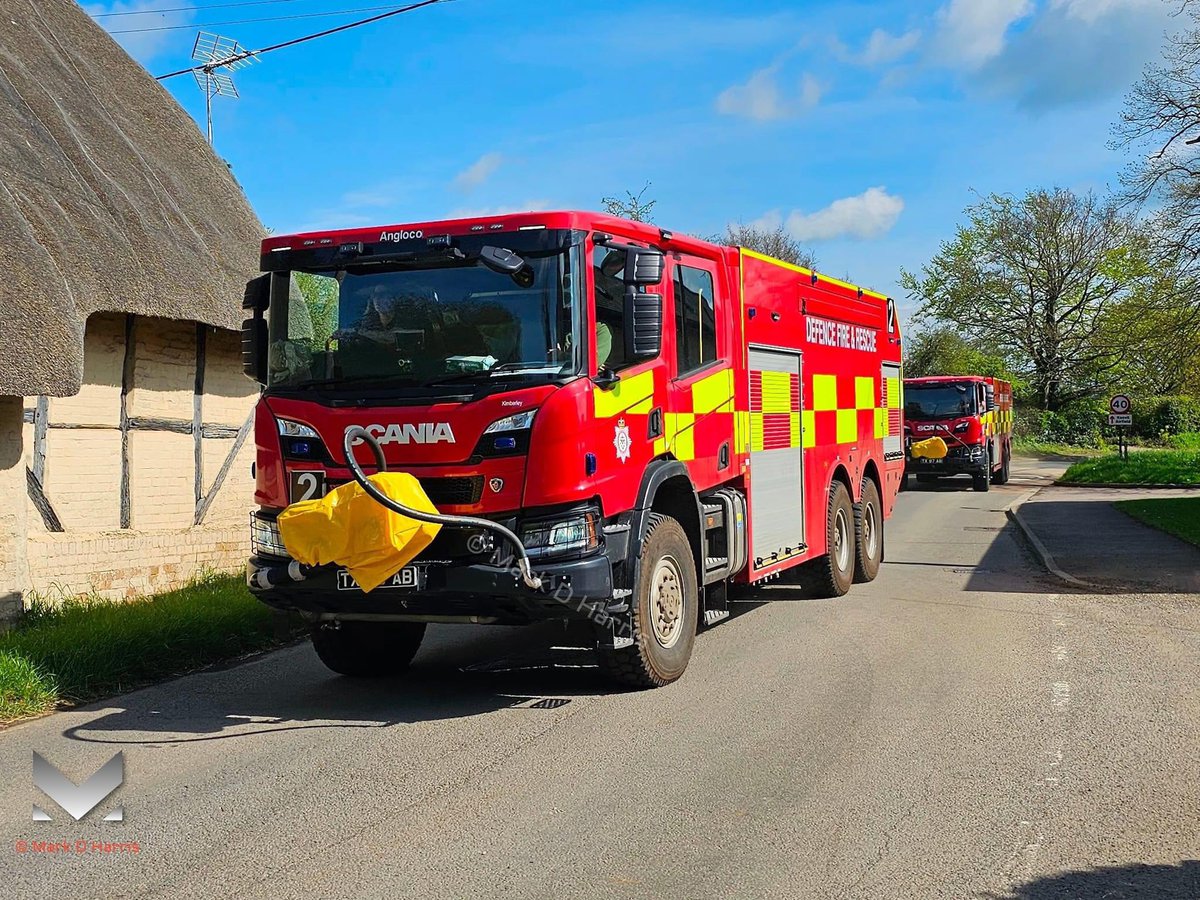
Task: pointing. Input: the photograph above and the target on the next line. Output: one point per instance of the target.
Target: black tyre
(983, 480)
(868, 533)
(368, 649)
(665, 609)
(835, 570)
(1000, 476)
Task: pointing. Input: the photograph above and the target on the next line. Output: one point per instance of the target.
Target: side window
(608, 272)
(695, 319)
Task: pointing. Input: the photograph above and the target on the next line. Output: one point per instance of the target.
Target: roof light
(532, 228)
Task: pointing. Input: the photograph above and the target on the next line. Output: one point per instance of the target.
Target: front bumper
(578, 588)
(960, 460)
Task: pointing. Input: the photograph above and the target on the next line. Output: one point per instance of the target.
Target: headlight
(288, 428)
(521, 421)
(265, 539)
(575, 532)
(961, 427)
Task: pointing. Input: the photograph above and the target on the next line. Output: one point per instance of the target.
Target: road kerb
(1044, 554)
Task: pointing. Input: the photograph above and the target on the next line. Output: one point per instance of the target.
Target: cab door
(698, 424)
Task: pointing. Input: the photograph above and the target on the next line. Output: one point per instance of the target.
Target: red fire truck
(667, 425)
(972, 415)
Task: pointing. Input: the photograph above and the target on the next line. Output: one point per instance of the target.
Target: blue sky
(863, 127)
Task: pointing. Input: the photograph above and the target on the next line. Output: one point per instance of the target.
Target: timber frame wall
(142, 480)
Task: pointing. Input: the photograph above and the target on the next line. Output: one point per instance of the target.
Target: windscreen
(939, 401)
(422, 322)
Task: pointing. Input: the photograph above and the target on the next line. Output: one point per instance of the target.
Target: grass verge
(81, 650)
(1179, 516)
(1047, 448)
(1142, 467)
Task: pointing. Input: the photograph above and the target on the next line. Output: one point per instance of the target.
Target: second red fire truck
(664, 424)
(971, 418)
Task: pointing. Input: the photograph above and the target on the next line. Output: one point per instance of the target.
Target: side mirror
(254, 348)
(258, 295)
(254, 330)
(991, 397)
(643, 324)
(644, 266)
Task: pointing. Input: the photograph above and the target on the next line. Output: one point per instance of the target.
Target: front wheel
(368, 649)
(983, 480)
(665, 610)
(868, 534)
(835, 570)
(1001, 476)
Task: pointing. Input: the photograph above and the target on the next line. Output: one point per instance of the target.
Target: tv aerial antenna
(219, 58)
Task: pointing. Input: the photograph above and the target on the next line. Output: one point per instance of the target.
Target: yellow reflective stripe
(776, 392)
(847, 426)
(824, 396)
(864, 392)
(881, 423)
(713, 392)
(803, 271)
(627, 393)
(895, 393)
(808, 429)
(680, 436)
(756, 432)
(794, 438)
(643, 408)
(741, 422)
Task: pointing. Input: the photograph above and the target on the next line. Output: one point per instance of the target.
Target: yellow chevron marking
(824, 396)
(628, 393)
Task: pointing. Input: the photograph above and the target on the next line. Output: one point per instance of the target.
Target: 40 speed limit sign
(1120, 411)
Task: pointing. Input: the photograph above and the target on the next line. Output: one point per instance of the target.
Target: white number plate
(408, 577)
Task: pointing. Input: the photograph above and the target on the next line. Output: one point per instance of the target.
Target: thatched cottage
(124, 247)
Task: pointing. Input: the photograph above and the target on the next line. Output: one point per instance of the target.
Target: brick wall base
(124, 565)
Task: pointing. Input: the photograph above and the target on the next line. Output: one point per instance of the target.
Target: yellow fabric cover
(349, 528)
(930, 448)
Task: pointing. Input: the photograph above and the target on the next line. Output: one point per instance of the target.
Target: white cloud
(761, 98)
(870, 214)
(883, 47)
(1090, 11)
(502, 209)
(478, 172)
(971, 32)
(143, 46)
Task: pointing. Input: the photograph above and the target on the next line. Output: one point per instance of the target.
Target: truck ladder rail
(357, 432)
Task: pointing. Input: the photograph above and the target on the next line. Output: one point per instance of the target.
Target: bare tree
(775, 242)
(1161, 121)
(633, 207)
(1031, 280)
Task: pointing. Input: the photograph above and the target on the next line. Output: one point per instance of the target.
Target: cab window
(608, 271)
(695, 319)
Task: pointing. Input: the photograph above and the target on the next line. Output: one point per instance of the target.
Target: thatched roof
(110, 199)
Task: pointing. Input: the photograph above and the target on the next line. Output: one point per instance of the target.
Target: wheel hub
(841, 540)
(666, 602)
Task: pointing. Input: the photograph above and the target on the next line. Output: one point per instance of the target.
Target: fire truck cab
(668, 425)
(972, 415)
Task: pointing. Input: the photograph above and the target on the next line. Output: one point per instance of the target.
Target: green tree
(321, 297)
(633, 207)
(941, 350)
(1031, 279)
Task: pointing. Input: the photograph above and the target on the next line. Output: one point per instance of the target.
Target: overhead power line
(312, 37)
(153, 11)
(313, 15)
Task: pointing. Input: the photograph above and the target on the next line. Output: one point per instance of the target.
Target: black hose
(357, 432)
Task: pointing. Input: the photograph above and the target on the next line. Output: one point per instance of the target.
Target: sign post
(1120, 416)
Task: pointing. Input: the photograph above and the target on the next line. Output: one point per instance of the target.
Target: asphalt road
(963, 727)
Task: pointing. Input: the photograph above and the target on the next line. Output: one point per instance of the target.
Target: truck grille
(462, 490)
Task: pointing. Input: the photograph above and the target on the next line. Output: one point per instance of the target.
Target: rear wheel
(1001, 475)
(368, 649)
(665, 610)
(868, 533)
(835, 570)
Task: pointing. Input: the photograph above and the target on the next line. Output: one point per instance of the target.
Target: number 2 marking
(308, 484)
